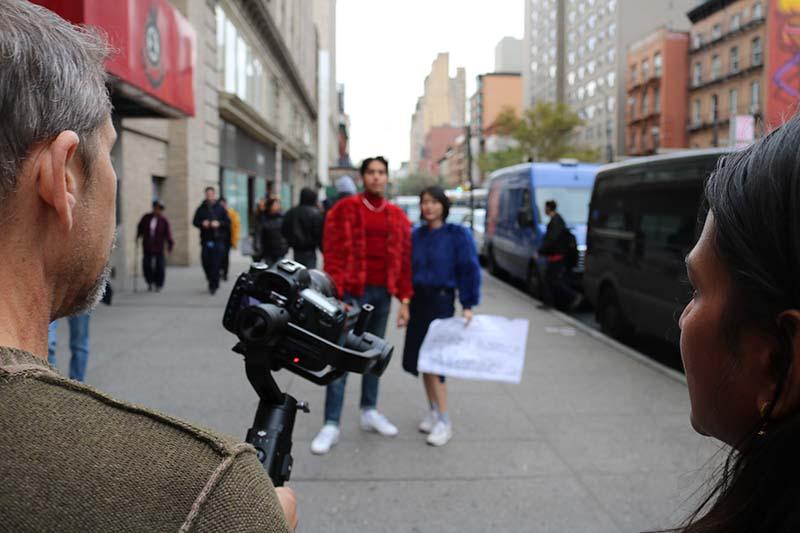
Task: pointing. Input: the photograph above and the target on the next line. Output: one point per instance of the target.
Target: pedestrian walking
(231, 236)
(78, 345)
(367, 253)
(740, 337)
(259, 216)
(156, 237)
(443, 261)
(345, 186)
(554, 248)
(213, 222)
(302, 228)
(73, 458)
(273, 245)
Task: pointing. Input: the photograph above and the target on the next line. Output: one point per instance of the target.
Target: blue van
(515, 219)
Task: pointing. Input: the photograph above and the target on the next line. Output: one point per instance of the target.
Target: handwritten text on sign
(490, 348)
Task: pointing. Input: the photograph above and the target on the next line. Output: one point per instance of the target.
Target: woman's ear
(787, 366)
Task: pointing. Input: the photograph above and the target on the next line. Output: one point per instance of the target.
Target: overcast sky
(385, 48)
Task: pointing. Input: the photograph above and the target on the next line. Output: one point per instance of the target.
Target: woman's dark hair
(754, 197)
(551, 205)
(437, 193)
(270, 202)
(365, 163)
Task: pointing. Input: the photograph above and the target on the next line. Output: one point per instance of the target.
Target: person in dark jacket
(155, 233)
(302, 229)
(273, 245)
(554, 250)
(443, 261)
(213, 222)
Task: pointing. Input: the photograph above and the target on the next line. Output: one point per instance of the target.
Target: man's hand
(403, 315)
(215, 224)
(289, 504)
(467, 317)
(205, 224)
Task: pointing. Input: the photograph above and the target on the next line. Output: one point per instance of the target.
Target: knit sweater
(75, 459)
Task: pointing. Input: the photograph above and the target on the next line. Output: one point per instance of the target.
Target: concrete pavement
(592, 440)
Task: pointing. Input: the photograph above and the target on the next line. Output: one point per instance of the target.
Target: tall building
(726, 68)
(657, 86)
(543, 72)
(495, 92)
(327, 91)
(443, 103)
(225, 97)
(509, 55)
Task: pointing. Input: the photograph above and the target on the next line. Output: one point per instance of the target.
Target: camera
(286, 316)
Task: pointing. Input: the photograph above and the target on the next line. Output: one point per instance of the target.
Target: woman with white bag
(443, 261)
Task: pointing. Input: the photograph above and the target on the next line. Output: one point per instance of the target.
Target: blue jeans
(334, 394)
(78, 345)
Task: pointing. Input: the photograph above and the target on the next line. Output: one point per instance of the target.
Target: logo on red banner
(151, 51)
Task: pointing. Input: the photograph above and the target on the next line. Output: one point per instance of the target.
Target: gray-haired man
(71, 457)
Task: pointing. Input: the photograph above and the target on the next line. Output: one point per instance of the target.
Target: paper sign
(491, 348)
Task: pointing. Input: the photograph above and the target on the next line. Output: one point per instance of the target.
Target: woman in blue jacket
(443, 262)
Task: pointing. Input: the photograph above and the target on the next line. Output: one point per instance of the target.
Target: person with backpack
(302, 228)
(558, 248)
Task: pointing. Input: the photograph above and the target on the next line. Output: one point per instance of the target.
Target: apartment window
(610, 103)
(716, 67)
(756, 52)
(716, 32)
(697, 40)
(645, 69)
(733, 102)
(755, 97)
(657, 64)
(696, 112)
(633, 139)
(736, 21)
(657, 100)
(697, 74)
(632, 102)
(734, 63)
(758, 11)
(633, 73)
(714, 108)
(611, 78)
(645, 104)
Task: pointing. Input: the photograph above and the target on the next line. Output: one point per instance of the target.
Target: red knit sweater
(350, 250)
(376, 232)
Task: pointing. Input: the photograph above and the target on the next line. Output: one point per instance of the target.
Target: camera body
(291, 316)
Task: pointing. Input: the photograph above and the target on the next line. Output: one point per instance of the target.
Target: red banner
(782, 61)
(155, 48)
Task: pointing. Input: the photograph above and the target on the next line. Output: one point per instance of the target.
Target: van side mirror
(525, 218)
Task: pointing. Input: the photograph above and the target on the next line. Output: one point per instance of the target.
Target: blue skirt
(428, 304)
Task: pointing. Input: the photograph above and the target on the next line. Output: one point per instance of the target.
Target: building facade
(327, 90)
(657, 83)
(437, 141)
(443, 103)
(543, 72)
(509, 55)
(726, 68)
(495, 92)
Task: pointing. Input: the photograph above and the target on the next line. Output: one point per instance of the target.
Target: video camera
(286, 316)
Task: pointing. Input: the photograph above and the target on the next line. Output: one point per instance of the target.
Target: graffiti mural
(783, 60)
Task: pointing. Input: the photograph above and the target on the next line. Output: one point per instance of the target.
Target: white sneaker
(440, 434)
(372, 420)
(327, 437)
(428, 422)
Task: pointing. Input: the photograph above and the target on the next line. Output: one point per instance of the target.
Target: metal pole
(468, 141)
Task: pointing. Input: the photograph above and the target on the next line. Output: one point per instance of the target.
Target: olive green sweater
(74, 459)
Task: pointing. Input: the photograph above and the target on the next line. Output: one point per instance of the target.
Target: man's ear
(789, 400)
(56, 183)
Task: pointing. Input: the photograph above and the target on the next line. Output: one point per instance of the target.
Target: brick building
(657, 85)
(726, 68)
(437, 141)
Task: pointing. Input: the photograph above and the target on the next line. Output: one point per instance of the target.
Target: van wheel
(610, 315)
(533, 281)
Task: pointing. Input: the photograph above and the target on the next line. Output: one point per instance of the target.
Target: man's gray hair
(52, 79)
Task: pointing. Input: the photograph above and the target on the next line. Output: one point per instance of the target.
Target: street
(592, 440)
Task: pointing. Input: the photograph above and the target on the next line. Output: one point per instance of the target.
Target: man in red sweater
(367, 252)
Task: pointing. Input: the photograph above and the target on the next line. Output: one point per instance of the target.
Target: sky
(385, 48)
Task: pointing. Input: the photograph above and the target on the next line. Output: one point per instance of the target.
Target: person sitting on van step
(554, 249)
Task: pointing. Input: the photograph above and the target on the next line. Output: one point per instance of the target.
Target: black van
(643, 221)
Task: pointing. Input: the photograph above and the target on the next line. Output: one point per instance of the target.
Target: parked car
(643, 222)
(515, 220)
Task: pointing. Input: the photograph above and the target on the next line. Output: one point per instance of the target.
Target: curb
(602, 337)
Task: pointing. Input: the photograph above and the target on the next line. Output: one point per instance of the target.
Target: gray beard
(93, 296)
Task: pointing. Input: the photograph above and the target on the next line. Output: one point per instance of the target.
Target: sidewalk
(592, 440)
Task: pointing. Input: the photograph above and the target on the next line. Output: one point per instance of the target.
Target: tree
(491, 161)
(545, 132)
(414, 184)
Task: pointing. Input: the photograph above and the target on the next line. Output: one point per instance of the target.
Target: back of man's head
(308, 196)
(52, 79)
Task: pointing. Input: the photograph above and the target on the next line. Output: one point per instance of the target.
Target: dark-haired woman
(740, 336)
(273, 245)
(443, 262)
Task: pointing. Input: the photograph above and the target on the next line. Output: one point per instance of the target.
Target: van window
(573, 203)
(668, 221)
